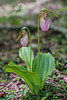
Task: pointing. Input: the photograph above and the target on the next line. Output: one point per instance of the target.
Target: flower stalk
(20, 34)
(30, 47)
(44, 27)
(38, 41)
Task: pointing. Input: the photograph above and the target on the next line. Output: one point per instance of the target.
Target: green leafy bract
(20, 34)
(31, 78)
(52, 13)
(46, 66)
(24, 53)
(44, 9)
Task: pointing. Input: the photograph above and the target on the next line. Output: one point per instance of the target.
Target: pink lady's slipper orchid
(24, 39)
(44, 24)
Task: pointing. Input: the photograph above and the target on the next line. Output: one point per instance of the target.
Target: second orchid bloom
(24, 39)
(44, 24)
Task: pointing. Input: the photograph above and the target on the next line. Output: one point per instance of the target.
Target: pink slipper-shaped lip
(44, 24)
(24, 39)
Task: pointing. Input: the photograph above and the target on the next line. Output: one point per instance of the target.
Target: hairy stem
(38, 41)
(30, 48)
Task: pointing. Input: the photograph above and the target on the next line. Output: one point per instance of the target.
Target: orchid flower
(44, 24)
(24, 39)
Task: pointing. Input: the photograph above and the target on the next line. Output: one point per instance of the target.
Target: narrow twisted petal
(44, 24)
(24, 40)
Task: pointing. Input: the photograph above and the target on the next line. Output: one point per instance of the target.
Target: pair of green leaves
(34, 78)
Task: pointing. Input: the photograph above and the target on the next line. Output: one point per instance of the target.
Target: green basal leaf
(24, 54)
(46, 66)
(31, 78)
(21, 67)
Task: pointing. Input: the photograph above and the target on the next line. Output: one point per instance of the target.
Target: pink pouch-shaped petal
(47, 25)
(44, 24)
(24, 40)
